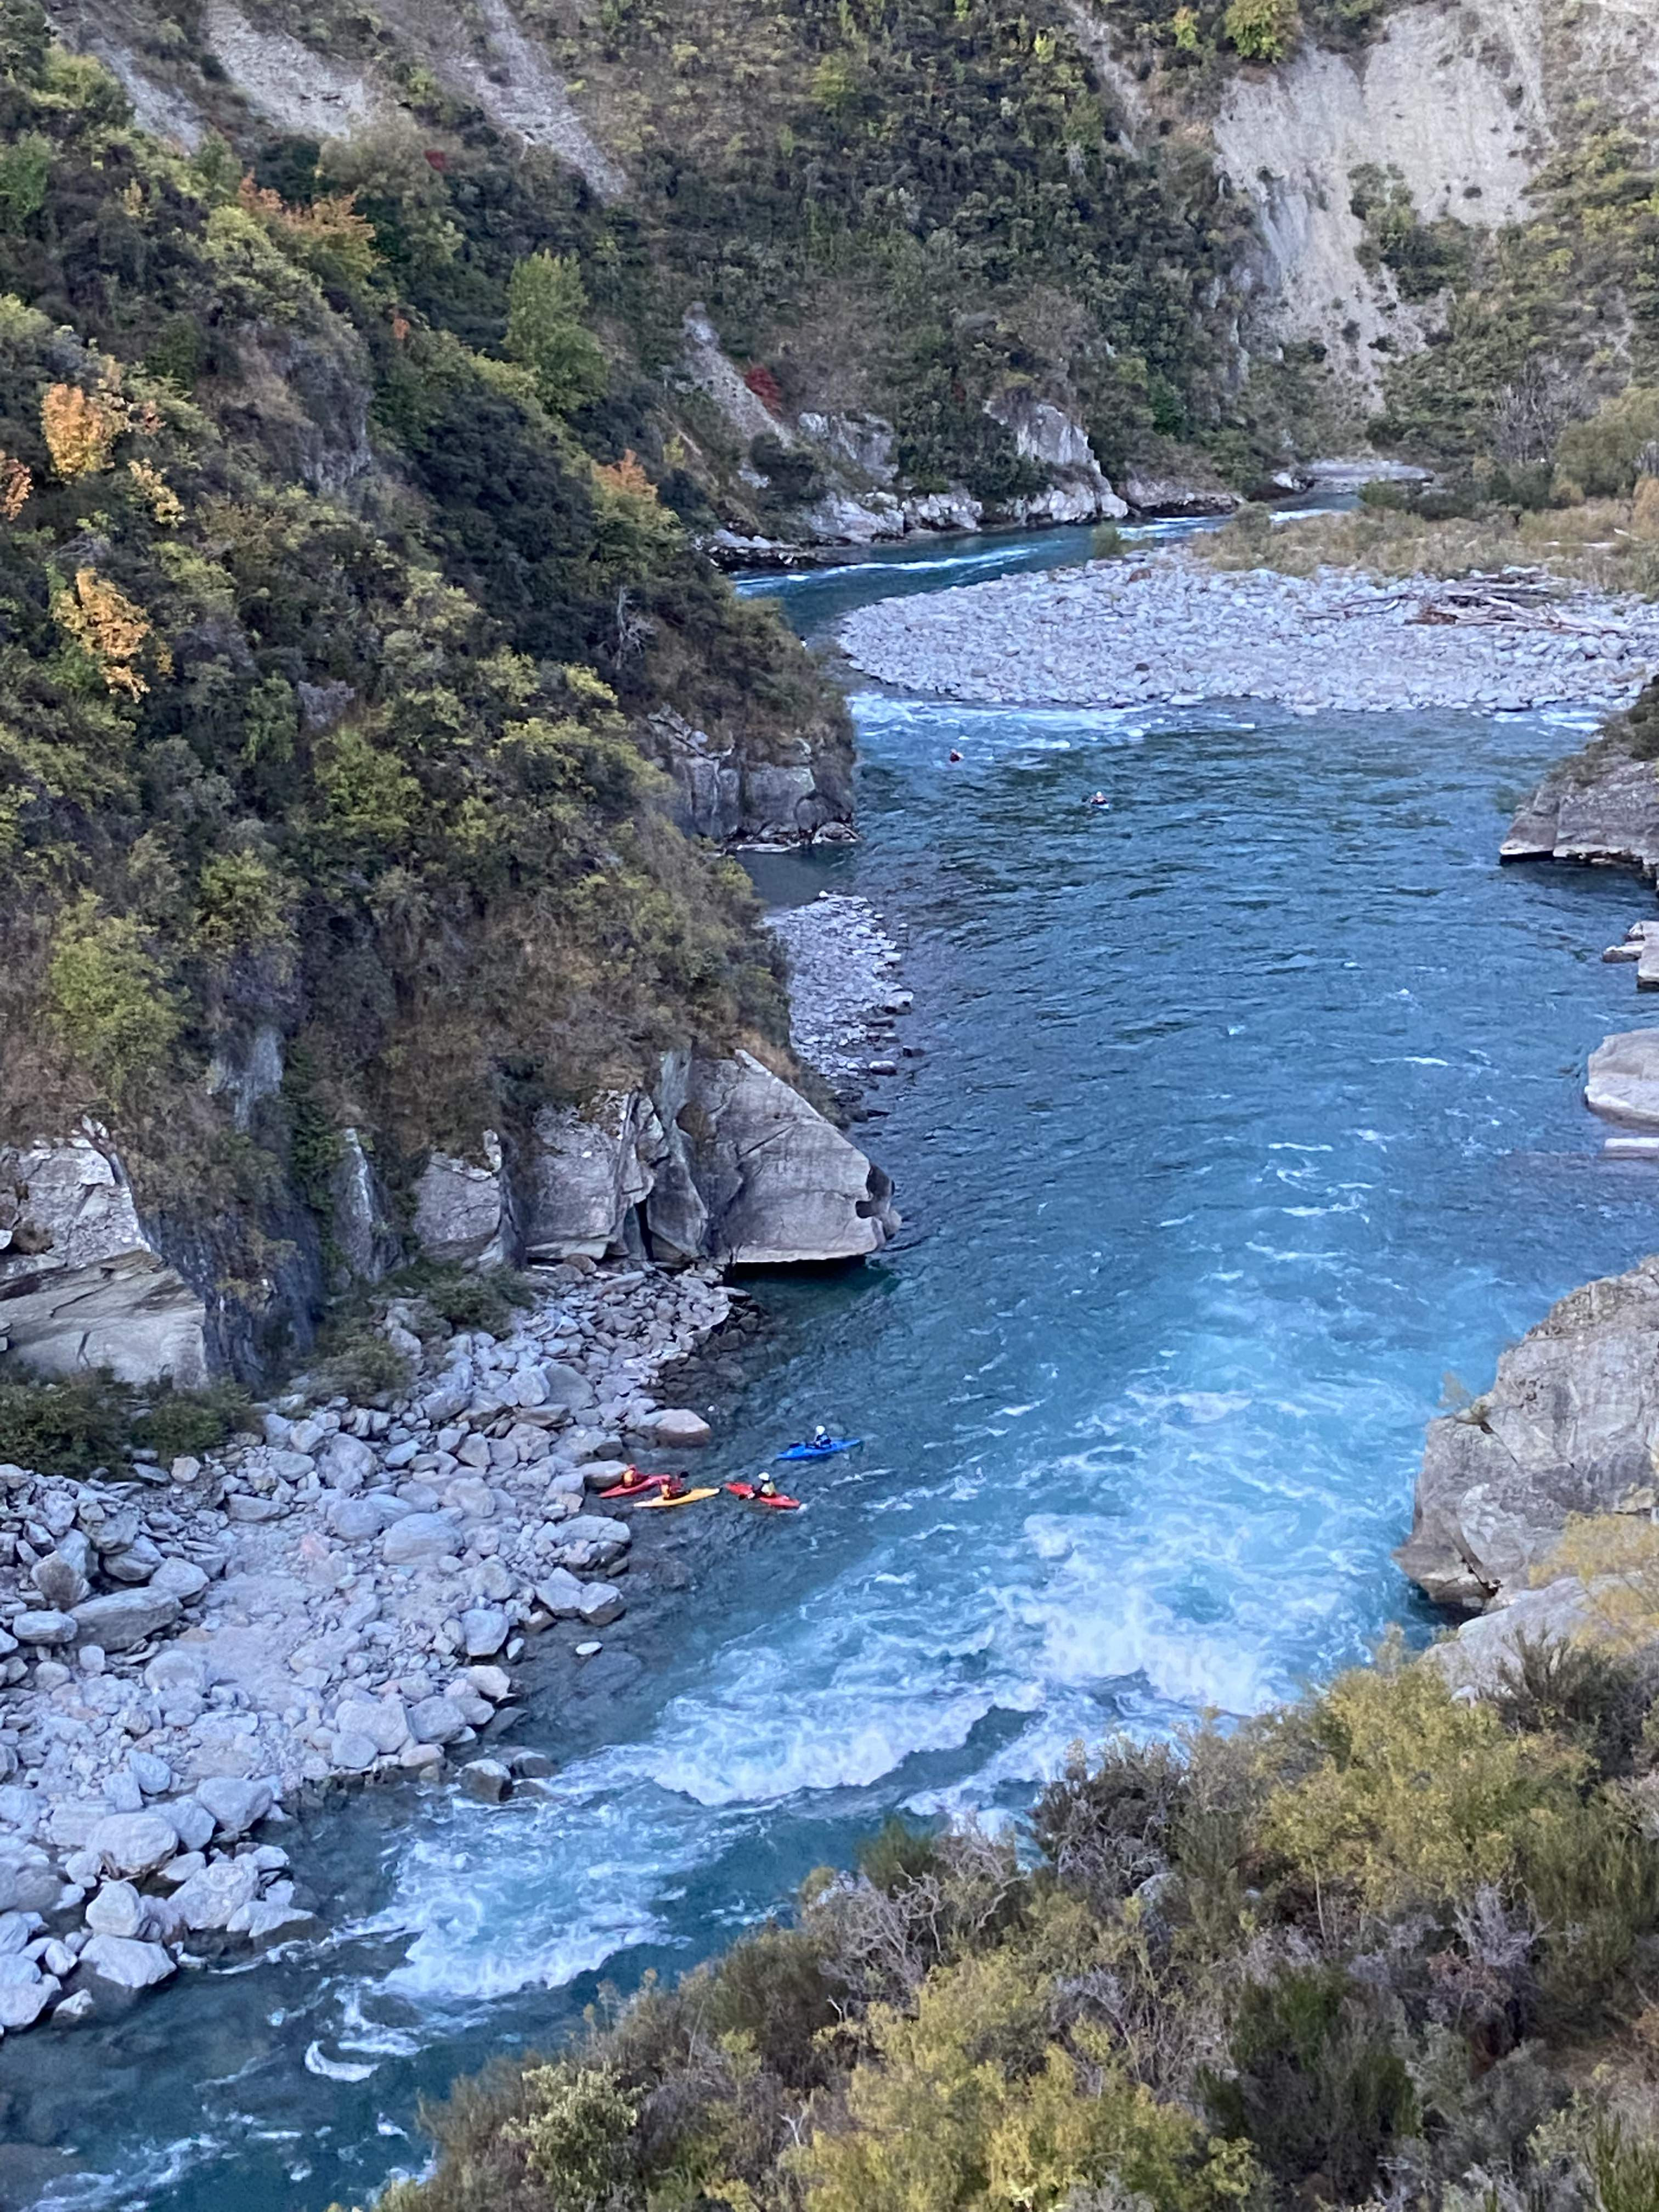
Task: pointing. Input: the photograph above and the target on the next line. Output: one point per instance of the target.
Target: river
(1246, 1113)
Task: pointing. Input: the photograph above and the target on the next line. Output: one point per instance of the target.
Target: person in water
(1097, 798)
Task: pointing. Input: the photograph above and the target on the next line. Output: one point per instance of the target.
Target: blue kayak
(819, 1452)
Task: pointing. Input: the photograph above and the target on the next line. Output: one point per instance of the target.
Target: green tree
(108, 998)
(546, 331)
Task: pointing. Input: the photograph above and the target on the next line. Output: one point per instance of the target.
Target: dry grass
(1604, 543)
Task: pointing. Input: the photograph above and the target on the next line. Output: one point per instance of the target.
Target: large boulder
(124, 1618)
(464, 1212)
(1569, 1426)
(1623, 1082)
(781, 1185)
(586, 1173)
(81, 1285)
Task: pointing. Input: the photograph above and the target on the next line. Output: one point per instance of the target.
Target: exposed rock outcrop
(1570, 1425)
(1078, 490)
(587, 1173)
(81, 1283)
(1600, 804)
(463, 1210)
(723, 1161)
(1623, 1084)
(782, 1184)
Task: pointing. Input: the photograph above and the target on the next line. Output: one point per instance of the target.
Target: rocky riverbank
(1170, 631)
(341, 1600)
(844, 994)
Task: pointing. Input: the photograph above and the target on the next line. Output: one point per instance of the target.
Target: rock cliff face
(1569, 1426)
(81, 1283)
(721, 1161)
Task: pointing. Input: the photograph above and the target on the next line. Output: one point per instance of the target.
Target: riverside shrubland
(1383, 1945)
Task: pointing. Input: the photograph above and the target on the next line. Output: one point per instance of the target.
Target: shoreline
(363, 1592)
(1168, 630)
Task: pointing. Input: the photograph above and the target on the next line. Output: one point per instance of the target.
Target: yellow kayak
(685, 1498)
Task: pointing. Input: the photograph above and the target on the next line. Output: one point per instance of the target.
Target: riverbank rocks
(81, 1285)
(1623, 1080)
(1599, 805)
(1569, 1426)
(366, 1627)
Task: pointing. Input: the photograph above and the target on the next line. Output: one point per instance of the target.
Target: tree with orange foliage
(17, 482)
(80, 430)
(109, 630)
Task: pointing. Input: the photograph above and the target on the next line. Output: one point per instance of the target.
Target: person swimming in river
(1096, 799)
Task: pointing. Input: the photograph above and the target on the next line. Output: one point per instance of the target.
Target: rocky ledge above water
(1169, 631)
(1599, 805)
(719, 1159)
(1569, 1426)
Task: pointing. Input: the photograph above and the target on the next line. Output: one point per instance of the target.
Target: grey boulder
(124, 1617)
(127, 1963)
(1569, 1426)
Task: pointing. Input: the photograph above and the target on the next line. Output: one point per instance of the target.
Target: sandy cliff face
(1452, 102)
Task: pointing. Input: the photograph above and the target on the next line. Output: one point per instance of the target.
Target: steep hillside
(341, 628)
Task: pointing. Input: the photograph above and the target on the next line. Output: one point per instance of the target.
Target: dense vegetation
(334, 588)
(1384, 1946)
(938, 207)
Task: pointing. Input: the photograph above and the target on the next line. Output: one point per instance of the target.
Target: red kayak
(748, 1492)
(637, 1485)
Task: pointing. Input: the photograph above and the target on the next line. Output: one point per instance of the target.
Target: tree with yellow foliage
(109, 630)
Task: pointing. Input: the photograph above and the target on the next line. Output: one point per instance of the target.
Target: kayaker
(820, 1436)
(766, 1487)
(673, 1486)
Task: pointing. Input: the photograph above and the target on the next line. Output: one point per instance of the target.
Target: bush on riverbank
(1383, 1944)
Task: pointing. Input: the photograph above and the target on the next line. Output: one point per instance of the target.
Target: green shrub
(1317, 2087)
(464, 1297)
(1263, 30)
(897, 1853)
(576, 2133)
(1107, 1826)
(109, 998)
(65, 1428)
(355, 1361)
(546, 331)
(186, 1424)
(1594, 1699)
(1406, 1796)
(1604, 454)
(89, 1420)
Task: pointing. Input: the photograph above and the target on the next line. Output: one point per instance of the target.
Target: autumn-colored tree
(17, 482)
(626, 475)
(81, 429)
(109, 630)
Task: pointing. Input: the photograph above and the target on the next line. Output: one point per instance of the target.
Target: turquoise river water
(1245, 1113)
